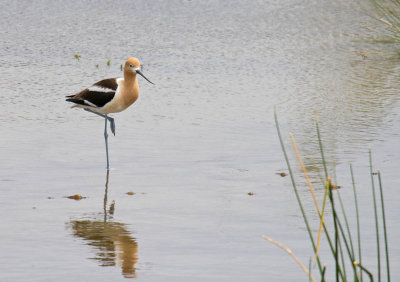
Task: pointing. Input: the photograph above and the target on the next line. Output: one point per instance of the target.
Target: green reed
(389, 14)
(378, 257)
(340, 238)
(384, 226)
(357, 218)
(295, 189)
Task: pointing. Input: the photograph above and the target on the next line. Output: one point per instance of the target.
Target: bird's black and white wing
(96, 95)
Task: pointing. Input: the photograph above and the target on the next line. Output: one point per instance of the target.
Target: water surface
(194, 145)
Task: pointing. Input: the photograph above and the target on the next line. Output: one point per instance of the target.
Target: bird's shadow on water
(111, 241)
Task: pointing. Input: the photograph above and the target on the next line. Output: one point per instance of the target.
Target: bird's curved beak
(140, 72)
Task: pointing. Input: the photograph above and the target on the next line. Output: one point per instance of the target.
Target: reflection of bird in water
(112, 241)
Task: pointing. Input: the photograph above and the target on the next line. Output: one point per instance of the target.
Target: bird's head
(132, 65)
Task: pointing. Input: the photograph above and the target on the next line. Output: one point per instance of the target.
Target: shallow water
(195, 144)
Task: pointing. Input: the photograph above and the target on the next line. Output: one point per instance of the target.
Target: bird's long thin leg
(106, 139)
(112, 125)
(110, 119)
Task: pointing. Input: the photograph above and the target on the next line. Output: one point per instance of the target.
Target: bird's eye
(130, 65)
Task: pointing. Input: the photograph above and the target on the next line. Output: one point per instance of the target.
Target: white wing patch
(90, 103)
(96, 88)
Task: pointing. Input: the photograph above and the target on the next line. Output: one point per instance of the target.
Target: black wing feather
(109, 83)
(98, 98)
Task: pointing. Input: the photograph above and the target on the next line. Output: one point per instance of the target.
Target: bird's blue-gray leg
(110, 119)
(112, 125)
(106, 139)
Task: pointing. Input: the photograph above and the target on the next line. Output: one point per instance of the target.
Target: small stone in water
(76, 197)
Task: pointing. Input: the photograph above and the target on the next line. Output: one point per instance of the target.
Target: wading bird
(110, 95)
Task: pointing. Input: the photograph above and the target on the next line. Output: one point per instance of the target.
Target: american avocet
(110, 95)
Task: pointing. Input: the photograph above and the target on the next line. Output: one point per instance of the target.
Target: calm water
(194, 144)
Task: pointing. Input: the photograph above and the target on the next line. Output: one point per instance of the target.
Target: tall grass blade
(336, 253)
(323, 273)
(342, 258)
(335, 249)
(349, 238)
(322, 224)
(336, 230)
(304, 172)
(349, 252)
(371, 277)
(357, 218)
(321, 215)
(344, 216)
(320, 146)
(346, 223)
(384, 227)
(342, 240)
(289, 251)
(376, 217)
(295, 188)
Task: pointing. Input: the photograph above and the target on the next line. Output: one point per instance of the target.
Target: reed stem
(323, 273)
(384, 227)
(351, 250)
(371, 277)
(357, 218)
(289, 251)
(342, 259)
(341, 234)
(320, 146)
(321, 215)
(336, 254)
(346, 223)
(376, 217)
(295, 188)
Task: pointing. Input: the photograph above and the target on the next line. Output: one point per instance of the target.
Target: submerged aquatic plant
(77, 56)
(389, 14)
(339, 239)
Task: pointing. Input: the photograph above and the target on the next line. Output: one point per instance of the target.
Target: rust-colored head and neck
(133, 67)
